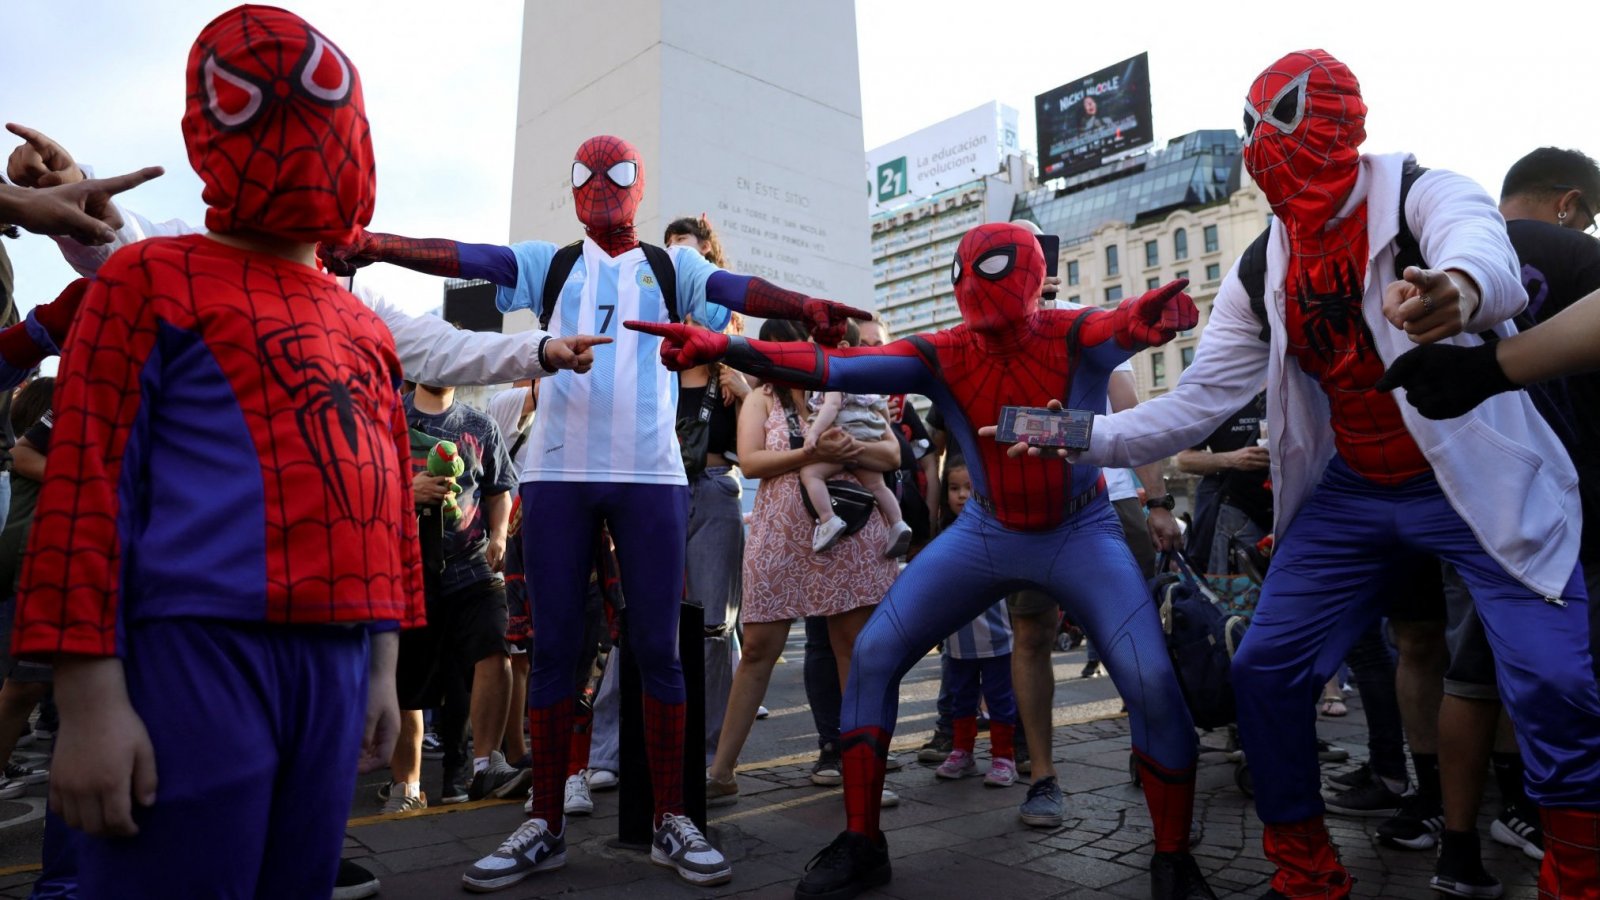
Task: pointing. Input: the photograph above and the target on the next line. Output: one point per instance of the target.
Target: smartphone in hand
(1068, 429)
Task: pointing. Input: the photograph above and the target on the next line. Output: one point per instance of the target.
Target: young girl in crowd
(864, 417)
(980, 659)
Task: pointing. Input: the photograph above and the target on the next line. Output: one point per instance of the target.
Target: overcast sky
(1463, 89)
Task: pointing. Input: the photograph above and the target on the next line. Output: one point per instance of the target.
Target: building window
(1114, 294)
(1211, 238)
(1152, 253)
(1180, 244)
(1151, 284)
(1188, 357)
(1213, 271)
(1158, 369)
(1076, 299)
(1072, 272)
(1111, 261)
(1182, 273)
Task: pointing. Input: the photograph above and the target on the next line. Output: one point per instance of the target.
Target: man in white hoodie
(1362, 483)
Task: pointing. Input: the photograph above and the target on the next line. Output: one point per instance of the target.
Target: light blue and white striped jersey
(987, 636)
(615, 423)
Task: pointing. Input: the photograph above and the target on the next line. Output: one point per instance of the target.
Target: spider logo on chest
(1331, 319)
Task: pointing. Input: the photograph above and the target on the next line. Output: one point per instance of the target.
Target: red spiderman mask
(607, 185)
(1304, 122)
(276, 128)
(997, 273)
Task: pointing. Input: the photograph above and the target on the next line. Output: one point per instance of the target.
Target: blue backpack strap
(661, 264)
(555, 278)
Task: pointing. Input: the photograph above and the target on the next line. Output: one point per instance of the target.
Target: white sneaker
(11, 789)
(827, 534)
(680, 845)
(529, 849)
(762, 712)
(400, 803)
(601, 779)
(577, 801)
(890, 798)
(899, 542)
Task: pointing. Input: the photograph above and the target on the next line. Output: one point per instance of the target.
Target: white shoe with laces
(577, 801)
(680, 845)
(529, 849)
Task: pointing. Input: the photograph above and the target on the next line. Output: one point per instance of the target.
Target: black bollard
(635, 800)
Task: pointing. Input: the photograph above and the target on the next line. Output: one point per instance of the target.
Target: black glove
(1444, 381)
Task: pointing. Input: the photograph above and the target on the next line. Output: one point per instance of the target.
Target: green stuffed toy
(445, 459)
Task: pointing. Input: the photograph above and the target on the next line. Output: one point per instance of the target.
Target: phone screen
(1065, 428)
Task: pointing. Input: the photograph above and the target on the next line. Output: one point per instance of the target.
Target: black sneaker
(936, 749)
(1415, 827)
(845, 868)
(499, 779)
(1372, 800)
(1361, 776)
(1175, 876)
(1327, 752)
(23, 773)
(1513, 830)
(1090, 669)
(1024, 759)
(354, 882)
(1460, 871)
(456, 788)
(827, 771)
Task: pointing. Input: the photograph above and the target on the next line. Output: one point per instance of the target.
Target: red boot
(1307, 865)
(1571, 867)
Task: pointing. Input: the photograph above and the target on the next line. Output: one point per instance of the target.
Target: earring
(1561, 215)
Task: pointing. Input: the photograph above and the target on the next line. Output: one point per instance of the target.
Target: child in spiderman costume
(1363, 484)
(603, 449)
(228, 525)
(1030, 523)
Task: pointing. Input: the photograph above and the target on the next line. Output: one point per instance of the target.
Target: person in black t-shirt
(1549, 200)
(1234, 503)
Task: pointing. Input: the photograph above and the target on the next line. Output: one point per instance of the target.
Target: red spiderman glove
(684, 346)
(826, 320)
(18, 347)
(1155, 317)
(345, 260)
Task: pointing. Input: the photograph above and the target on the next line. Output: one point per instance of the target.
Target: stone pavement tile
(917, 839)
(984, 825)
(433, 856)
(944, 874)
(499, 820)
(403, 833)
(1082, 869)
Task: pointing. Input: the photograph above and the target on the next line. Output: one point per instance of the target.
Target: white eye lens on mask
(580, 174)
(623, 174)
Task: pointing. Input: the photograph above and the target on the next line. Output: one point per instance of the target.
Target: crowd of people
(265, 497)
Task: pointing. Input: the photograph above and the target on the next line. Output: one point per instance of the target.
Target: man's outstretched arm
(761, 298)
(431, 256)
(895, 368)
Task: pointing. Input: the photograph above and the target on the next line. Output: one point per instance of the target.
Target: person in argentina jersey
(603, 450)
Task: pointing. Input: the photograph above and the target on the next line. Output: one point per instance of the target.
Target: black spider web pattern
(329, 558)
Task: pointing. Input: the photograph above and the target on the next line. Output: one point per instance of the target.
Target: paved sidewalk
(956, 840)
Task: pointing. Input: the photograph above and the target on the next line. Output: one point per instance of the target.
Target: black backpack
(561, 266)
(1197, 642)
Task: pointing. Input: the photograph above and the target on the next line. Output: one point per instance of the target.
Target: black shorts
(463, 627)
(11, 668)
(1432, 593)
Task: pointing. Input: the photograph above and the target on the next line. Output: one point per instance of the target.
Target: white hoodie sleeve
(1459, 227)
(432, 351)
(1229, 368)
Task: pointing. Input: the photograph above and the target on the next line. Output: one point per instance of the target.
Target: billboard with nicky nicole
(1084, 121)
(958, 150)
